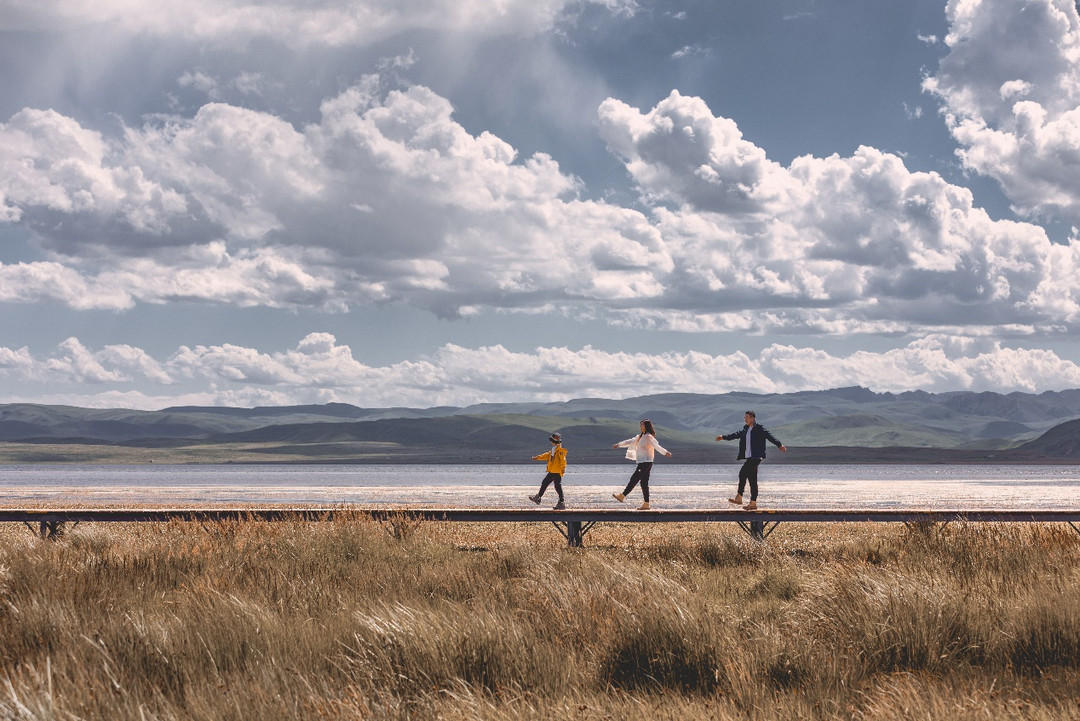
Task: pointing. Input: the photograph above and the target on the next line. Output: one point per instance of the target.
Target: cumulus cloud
(679, 152)
(44, 281)
(828, 244)
(17, 362)
(57, 168)
(75, 362)
(387, 198)
(1010, 88)
(258, 278)
(320, 370)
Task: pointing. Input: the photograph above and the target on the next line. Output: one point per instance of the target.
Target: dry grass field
(346, 620)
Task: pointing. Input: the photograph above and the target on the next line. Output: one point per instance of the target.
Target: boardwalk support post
(574, 532)
(1074, 526)
(51, 530)
(758, 530)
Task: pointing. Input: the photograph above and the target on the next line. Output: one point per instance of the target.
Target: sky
(444, 202)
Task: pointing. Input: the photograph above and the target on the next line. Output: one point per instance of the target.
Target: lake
(506, 486)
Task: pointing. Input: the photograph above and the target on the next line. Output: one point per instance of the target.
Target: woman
(640, 449)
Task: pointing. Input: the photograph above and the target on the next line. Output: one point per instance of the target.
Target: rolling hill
(1062, 441)
(826, 424)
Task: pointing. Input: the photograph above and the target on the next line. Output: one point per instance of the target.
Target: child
(556, 467)
(641, 449)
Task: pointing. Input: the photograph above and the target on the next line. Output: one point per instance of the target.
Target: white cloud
(45, 281)
(135, 361)
(838, 245)
(319, 370)
(1010, 85)
(680, 153)
(296, 23)
(229, 362)
(49, 163)
(689, 51)
(388, 198)
(17, 361)
(78, 364)
(398, 62)
(1013, 89)
(257, 278)
(200, 81)
(928, 364)
(249, 83)
(255, 211)
(246, 83)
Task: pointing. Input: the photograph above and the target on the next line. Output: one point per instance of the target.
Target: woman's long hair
(649, 427)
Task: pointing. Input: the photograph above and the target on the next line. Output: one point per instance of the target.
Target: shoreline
(367, 453)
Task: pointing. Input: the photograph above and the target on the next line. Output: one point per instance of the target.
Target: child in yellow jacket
(556, 467)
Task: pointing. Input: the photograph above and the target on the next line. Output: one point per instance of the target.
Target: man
(752, 439)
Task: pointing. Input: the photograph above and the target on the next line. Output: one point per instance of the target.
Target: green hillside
(864, 430)
(521, 433)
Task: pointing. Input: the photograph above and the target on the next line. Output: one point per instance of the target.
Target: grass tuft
(663, 649)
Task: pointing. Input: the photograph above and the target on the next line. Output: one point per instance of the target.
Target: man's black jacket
(758, 435)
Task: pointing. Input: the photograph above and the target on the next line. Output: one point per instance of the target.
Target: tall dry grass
(342, 619)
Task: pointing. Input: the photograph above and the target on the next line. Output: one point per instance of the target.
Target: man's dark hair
(751, 414)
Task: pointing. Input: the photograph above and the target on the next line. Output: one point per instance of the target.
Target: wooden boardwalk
(573, 524)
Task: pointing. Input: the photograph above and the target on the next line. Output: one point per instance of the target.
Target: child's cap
(556, 438)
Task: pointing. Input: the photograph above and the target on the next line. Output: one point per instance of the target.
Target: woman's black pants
(641, 475)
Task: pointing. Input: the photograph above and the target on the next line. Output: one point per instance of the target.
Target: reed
(350, 619)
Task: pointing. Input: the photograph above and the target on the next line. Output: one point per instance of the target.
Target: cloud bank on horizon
(319, 370)
(377, 195)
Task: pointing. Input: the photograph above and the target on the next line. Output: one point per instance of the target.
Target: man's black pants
(748, 472)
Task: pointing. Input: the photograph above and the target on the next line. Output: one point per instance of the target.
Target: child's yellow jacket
(556, 462)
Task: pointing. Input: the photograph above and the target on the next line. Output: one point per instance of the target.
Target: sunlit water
(506, 486)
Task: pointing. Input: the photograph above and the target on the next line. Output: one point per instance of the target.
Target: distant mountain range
(840, 424)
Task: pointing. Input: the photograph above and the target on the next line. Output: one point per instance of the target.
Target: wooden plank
(487, 515)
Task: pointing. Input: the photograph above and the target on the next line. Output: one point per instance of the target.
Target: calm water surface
(673, 485)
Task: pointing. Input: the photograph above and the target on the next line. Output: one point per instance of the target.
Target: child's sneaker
(618, 497)
(535, 499)
(644, 506)
(560, 506)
